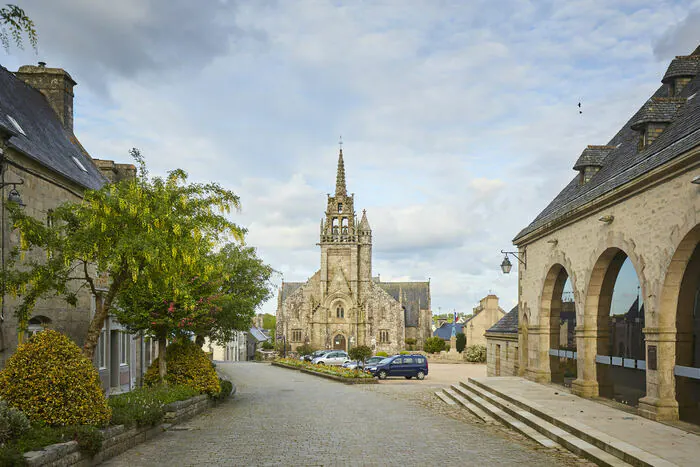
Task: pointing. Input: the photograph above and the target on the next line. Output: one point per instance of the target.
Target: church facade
(342, 305)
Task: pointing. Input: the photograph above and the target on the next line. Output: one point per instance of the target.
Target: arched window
(339, 312)
(37, 324)
(340, 207)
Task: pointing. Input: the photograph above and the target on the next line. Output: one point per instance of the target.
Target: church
(342, 305)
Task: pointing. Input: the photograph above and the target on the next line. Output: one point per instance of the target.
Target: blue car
(407, 366)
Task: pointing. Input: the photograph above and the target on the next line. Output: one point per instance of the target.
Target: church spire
(340, 189)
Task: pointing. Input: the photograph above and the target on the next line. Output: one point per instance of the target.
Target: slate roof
(444, 332)
(257, 334)
(508, 324)
(592, 156)
(45, 140)
(658, 110)
(288, 288)
(625, 163)
(414, 296)
(688, 65)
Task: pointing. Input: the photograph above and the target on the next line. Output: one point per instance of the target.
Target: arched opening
(687, 364)
(339, 342)
(619, 317)
(524, 349)
(339, 312)
(559, 316)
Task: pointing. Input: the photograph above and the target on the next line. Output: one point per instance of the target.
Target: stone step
(476, 411)
(631, 454)
(553, 433)
(505, 418)
(442, 396)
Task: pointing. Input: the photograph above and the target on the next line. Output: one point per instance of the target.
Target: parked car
(370, 361)
(314, 354)
(334, 357)
(407, 366)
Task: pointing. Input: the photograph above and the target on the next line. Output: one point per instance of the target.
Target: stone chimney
(56, 85)
(115, 172)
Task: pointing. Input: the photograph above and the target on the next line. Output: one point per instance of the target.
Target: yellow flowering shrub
(187, 365)
(50, 380)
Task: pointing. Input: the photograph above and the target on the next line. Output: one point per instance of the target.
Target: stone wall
(502, 356)
(485, 315)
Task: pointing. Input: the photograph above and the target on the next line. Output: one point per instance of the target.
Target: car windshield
(383, 361)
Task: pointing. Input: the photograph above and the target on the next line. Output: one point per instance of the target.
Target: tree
(360, 353)
(434, 344)
(150, 231)
(461, 342)
(16, 20)
(269, 321)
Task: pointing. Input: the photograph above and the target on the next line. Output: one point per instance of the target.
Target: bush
(434, 344)
(145, 406)
(447, 346)
(12, 422)
(226, 388)
(410, 341)
(267, 345)
(382, 354)
(360, 353)
(476, 353)
(187, 365)
(305, 349)
(461, 342)
(50, 380)
(89, 438)
(404, 352)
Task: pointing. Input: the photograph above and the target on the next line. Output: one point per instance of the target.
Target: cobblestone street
(282, 417)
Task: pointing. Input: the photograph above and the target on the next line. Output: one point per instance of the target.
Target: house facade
(342, 305)
(42, 165)
(635, 198)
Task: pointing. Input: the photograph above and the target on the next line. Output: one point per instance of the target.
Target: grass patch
(146, 406)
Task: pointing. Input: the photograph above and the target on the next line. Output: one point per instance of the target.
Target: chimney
(56, 85)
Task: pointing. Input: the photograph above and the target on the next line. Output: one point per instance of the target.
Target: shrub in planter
(12, 422)
(187, 365)
(226, 388)
(382, 354)
(268, 345)
(360, 353)
(476, 353)
(434, 344)
(461, 342)
(89, 438)
(50, 380)
(305, 349)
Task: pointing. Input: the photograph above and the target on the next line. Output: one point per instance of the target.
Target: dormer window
(680, 72)
(590, 161)
(654, 117)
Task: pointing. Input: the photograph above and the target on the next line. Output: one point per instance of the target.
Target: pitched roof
(658, 110)
(257, 334)
(445, 331)
(507, 324)
(288, 288)
(592, 156)
(688, 65)
(414, 296)
(42, 137)
(625, 163)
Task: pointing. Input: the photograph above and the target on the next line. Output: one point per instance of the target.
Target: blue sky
(459, 119)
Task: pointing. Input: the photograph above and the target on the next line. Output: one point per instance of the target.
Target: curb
(339, 379)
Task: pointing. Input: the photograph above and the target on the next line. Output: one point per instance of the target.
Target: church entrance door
(339, 342)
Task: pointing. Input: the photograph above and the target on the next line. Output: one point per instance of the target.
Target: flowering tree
(152, 232)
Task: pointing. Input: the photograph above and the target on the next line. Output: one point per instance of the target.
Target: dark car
(407, 366)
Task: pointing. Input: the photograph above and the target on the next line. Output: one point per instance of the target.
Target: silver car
(356, 363)
(336, 357)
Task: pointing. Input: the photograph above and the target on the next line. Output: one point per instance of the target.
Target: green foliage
(476, 353)
(16, 20)
(360, 353)
(382, 354)
(267, 345)
(461, 342)
(11, 456)
(410, 341)
(40, 435)
(188, 365)
(269, 321)
(434, 344)
(145, 406)
(404, 352)
(12, 422)
(89, 438)
(447, 346)
(154, 233)
(226, 388)
(305, 349)
(50, 380)
(333, 370)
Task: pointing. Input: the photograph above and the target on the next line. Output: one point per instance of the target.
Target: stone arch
(550, 309)
(524, 338)
(600, 370)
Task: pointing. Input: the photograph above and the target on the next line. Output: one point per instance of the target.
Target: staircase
(493, 406)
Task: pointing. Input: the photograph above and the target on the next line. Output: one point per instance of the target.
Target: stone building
(485, 315)
(635, 197)
(42, 164)
(342, 305)
(502, 356)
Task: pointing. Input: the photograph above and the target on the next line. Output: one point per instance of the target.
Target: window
(123, 348)
(49, 218)
(408, 361)
(296, 335)
(339, 312)
(102, 350)
(340, 207)
(384, 336)
(147, 351)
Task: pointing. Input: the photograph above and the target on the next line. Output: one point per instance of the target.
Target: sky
(459, 119)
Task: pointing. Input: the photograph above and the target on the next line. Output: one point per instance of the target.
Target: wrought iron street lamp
(506, 265)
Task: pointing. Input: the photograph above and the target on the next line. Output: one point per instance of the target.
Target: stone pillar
(539, 370)
(586, 384)
(660, 402)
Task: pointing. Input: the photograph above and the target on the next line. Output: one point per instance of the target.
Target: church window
(384, 336)
(339, 312)
(296, 335)
(335, 225)
(340, 207)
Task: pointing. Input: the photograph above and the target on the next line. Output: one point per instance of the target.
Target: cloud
(680, 38)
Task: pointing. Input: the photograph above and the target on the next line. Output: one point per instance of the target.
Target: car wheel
(382, 374)
(319, 363)
(408, 377)
(420, 375)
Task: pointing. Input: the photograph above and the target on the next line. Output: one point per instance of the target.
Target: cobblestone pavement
(283, 417)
